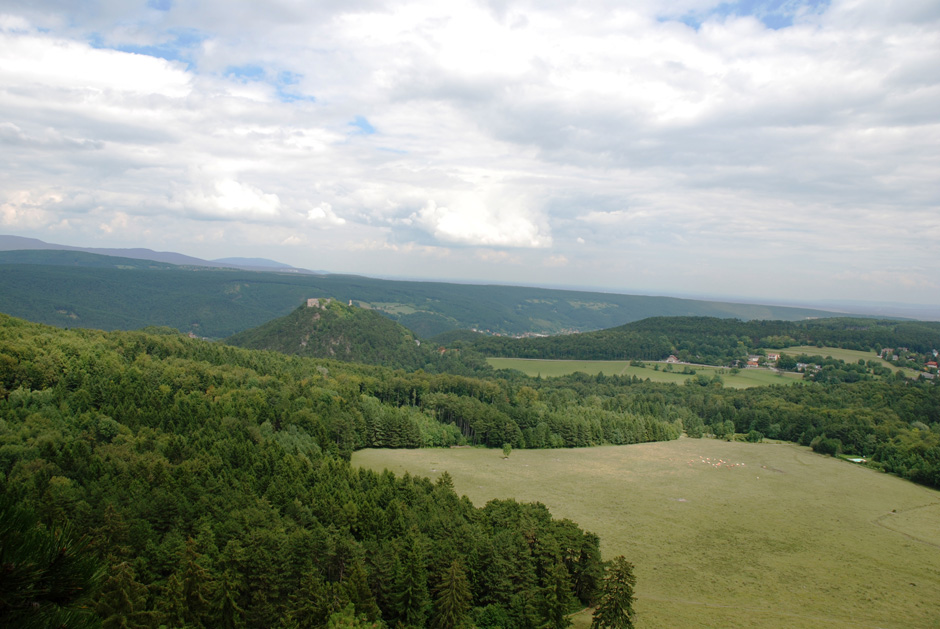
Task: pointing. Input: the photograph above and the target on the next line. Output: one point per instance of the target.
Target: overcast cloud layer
(768, 150)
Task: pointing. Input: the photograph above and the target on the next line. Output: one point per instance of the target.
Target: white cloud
(232, 199)
(323, 214)
(468, 220)
(73, 66)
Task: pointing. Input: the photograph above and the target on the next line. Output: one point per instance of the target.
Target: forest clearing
(726, 534)
(654, 371)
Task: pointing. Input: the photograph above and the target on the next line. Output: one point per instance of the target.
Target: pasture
(848, 355)
(727, 534)
(552, 368)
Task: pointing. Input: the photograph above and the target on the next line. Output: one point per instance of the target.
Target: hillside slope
(325, 328)
(74, 289)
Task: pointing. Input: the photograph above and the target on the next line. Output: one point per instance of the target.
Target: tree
(411, 592)
(46, 576)
(123, 601)
(507, 450)
(555, 598)
(189, 591)
(615, 609)
(347, 619)
(452, 598)
(228, 614)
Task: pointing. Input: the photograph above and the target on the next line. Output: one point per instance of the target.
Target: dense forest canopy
(210, 483)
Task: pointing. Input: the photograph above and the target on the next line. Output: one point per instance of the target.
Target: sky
(778, 151)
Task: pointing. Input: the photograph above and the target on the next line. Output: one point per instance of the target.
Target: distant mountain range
(76, 287)
(19, 243)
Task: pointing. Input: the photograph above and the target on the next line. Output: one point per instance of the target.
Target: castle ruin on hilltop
(315, 302)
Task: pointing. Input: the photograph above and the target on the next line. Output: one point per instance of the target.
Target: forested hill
(210, 484)
(329, 329)
(708, 340)
(73, 289)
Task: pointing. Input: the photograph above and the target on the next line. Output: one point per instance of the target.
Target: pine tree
(310, 602)
(357, 589)
(197, 586)
(347, 619)
(452, 598)
(46, 576)
(556, 598)
(122, 603)
(615, 609)
(411, 592)
(227, 612)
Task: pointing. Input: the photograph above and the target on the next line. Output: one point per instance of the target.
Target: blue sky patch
(160, 5)
(363, 126)
(286, 92)
(179, 48)
(246, 72)
(283, 83)
(775, 14)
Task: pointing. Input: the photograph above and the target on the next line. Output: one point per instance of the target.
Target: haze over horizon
(785, 151)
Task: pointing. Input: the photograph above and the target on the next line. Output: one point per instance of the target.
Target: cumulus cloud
(466, 221)
(231, 199)
(323, 214)
(64, 65)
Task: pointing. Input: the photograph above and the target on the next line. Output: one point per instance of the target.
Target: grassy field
(550, 368)
(727, 534)
(848, 355)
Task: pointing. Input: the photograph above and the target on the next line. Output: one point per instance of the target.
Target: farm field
(848, 355)
(552, 368)
(727, 534)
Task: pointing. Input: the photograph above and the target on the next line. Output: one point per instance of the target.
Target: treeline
(162, 379)
(712, 341)
(894, 423)
(205, 481)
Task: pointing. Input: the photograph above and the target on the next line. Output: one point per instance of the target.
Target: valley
(709, 452)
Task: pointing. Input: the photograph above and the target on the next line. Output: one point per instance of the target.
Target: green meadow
(551, 368)
(727, 534)
(848, 355)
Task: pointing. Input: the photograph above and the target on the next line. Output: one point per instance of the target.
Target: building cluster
(904, 357)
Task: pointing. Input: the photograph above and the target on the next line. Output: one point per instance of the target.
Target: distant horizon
(926, 312)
